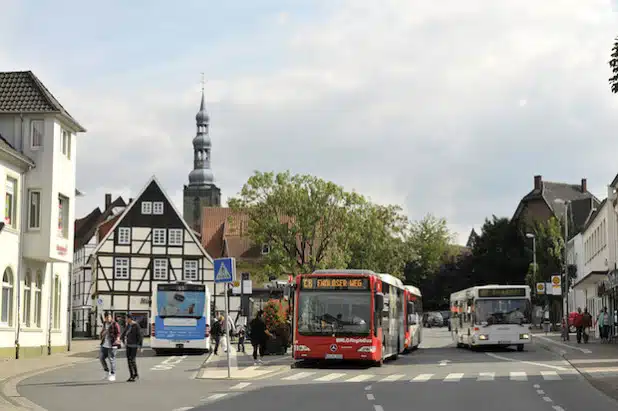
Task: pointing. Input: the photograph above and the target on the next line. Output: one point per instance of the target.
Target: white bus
(497, 315)
(181, 317)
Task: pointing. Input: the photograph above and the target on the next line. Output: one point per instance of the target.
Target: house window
(146, 207)
(10, 202)
(175, 236)
(124, 235)
(63, 216)
(66, 143)
(157, 208)
(36, 134)
(265, 248)
(57, 301)
(27, 297)
(38, 289)
(121, 268)
(190, 270)
(160, 269)
(158, 236)
(6, 298)
(34, 209)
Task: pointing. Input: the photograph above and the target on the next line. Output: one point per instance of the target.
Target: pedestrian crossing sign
(225, 270)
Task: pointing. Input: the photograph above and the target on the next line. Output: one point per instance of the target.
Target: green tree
(613, 64)
(378, 239)
(500, 255)
(304, 219)
(429, 244)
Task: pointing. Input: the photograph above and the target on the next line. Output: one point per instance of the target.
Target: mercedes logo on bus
(333, 347)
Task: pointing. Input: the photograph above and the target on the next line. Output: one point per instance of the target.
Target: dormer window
(146, 207)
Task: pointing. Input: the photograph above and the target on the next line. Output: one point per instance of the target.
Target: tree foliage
(549, 251)
(613, 64)
(429, 243)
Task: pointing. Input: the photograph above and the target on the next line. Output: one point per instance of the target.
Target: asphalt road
(437, 376)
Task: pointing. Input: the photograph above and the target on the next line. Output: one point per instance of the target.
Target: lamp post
(565, 288)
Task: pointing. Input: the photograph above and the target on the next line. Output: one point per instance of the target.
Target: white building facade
(37, 175)
(575, 257)
(149, 243)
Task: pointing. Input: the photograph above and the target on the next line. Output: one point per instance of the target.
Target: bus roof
(414, 290)
(391, 280)
(364, 272)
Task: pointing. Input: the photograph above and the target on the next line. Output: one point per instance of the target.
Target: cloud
(406, 101)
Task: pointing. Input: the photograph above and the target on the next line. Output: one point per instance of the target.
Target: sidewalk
(242, 365)
(595, 361)
(13, 371)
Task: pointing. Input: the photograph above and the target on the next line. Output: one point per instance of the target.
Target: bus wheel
(520, 347)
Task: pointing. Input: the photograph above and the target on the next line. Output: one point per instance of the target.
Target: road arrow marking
(444, 362)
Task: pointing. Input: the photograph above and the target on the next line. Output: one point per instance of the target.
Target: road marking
(593, 361)
(558, 408)
(547, 399)
(536, 386)
(217, 396)
(454, 377)
(444, 362)
(593, 370)
(518, 376)
(370, 397)
(168, 363)
(378, 408)
(499, 357)
(540, 392)
(183, 409)
(298, 376)
(584, 350)
(393, 377)
(361, 377)
(486, 376)
(240, 386)
(331, 376)
(422, 378)
(550, 375)
(368, 388)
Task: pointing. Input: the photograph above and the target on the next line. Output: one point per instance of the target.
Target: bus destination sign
(501, 292)
(181, 287)
(334, 283)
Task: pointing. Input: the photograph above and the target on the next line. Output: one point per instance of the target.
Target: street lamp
(565, 289)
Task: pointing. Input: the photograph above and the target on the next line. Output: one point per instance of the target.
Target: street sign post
(225, 272)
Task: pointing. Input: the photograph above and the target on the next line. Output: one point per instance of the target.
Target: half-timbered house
(147, 244)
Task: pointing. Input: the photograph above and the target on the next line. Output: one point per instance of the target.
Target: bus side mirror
(379, 300)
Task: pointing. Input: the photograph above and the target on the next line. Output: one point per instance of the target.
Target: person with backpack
(110, 343)
(133, 340)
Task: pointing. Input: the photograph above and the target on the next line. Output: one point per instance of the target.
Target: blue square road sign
(225, 270)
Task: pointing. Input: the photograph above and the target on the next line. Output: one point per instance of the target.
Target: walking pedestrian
(603, 323)
(586, 324)
(577, 322)
(133, 340)
(229, 324)
(110, 342)
(241, 338)
(216, 331)
(259, 334)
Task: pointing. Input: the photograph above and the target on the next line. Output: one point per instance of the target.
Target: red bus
(414, 317)
(348, 315)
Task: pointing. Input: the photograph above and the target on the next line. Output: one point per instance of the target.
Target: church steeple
(201, 175)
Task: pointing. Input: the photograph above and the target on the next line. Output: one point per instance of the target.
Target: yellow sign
(335, 283)
(236, 283)
(540, 287)
(555, 279)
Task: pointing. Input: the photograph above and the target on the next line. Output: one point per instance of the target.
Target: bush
(274, 314)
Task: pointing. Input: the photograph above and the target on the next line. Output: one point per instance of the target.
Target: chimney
(108, 200)
(538, 182)
(584, 185)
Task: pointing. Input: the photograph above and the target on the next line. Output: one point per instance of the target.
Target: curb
(10, 394)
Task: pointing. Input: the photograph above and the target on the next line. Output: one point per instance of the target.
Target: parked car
(433, 319)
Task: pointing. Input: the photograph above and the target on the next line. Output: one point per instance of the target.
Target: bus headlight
(483, 337)
(524, 336)
(367, 348)
(301, 348)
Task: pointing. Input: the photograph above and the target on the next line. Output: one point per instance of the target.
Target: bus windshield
(182, 304)
(334, 312)
(503, 311)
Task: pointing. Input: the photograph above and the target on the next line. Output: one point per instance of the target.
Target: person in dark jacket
(133, 339)
(110, 342)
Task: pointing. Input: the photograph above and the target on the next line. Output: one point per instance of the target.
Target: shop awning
(590, 280)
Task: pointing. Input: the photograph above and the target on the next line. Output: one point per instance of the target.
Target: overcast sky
(449, 107)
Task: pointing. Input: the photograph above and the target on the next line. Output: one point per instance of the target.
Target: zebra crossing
(318, 376)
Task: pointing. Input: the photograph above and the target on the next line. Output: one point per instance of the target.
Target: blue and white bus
(181, 317)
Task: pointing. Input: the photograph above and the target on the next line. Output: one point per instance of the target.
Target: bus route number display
(502, 292)
(316, 283)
